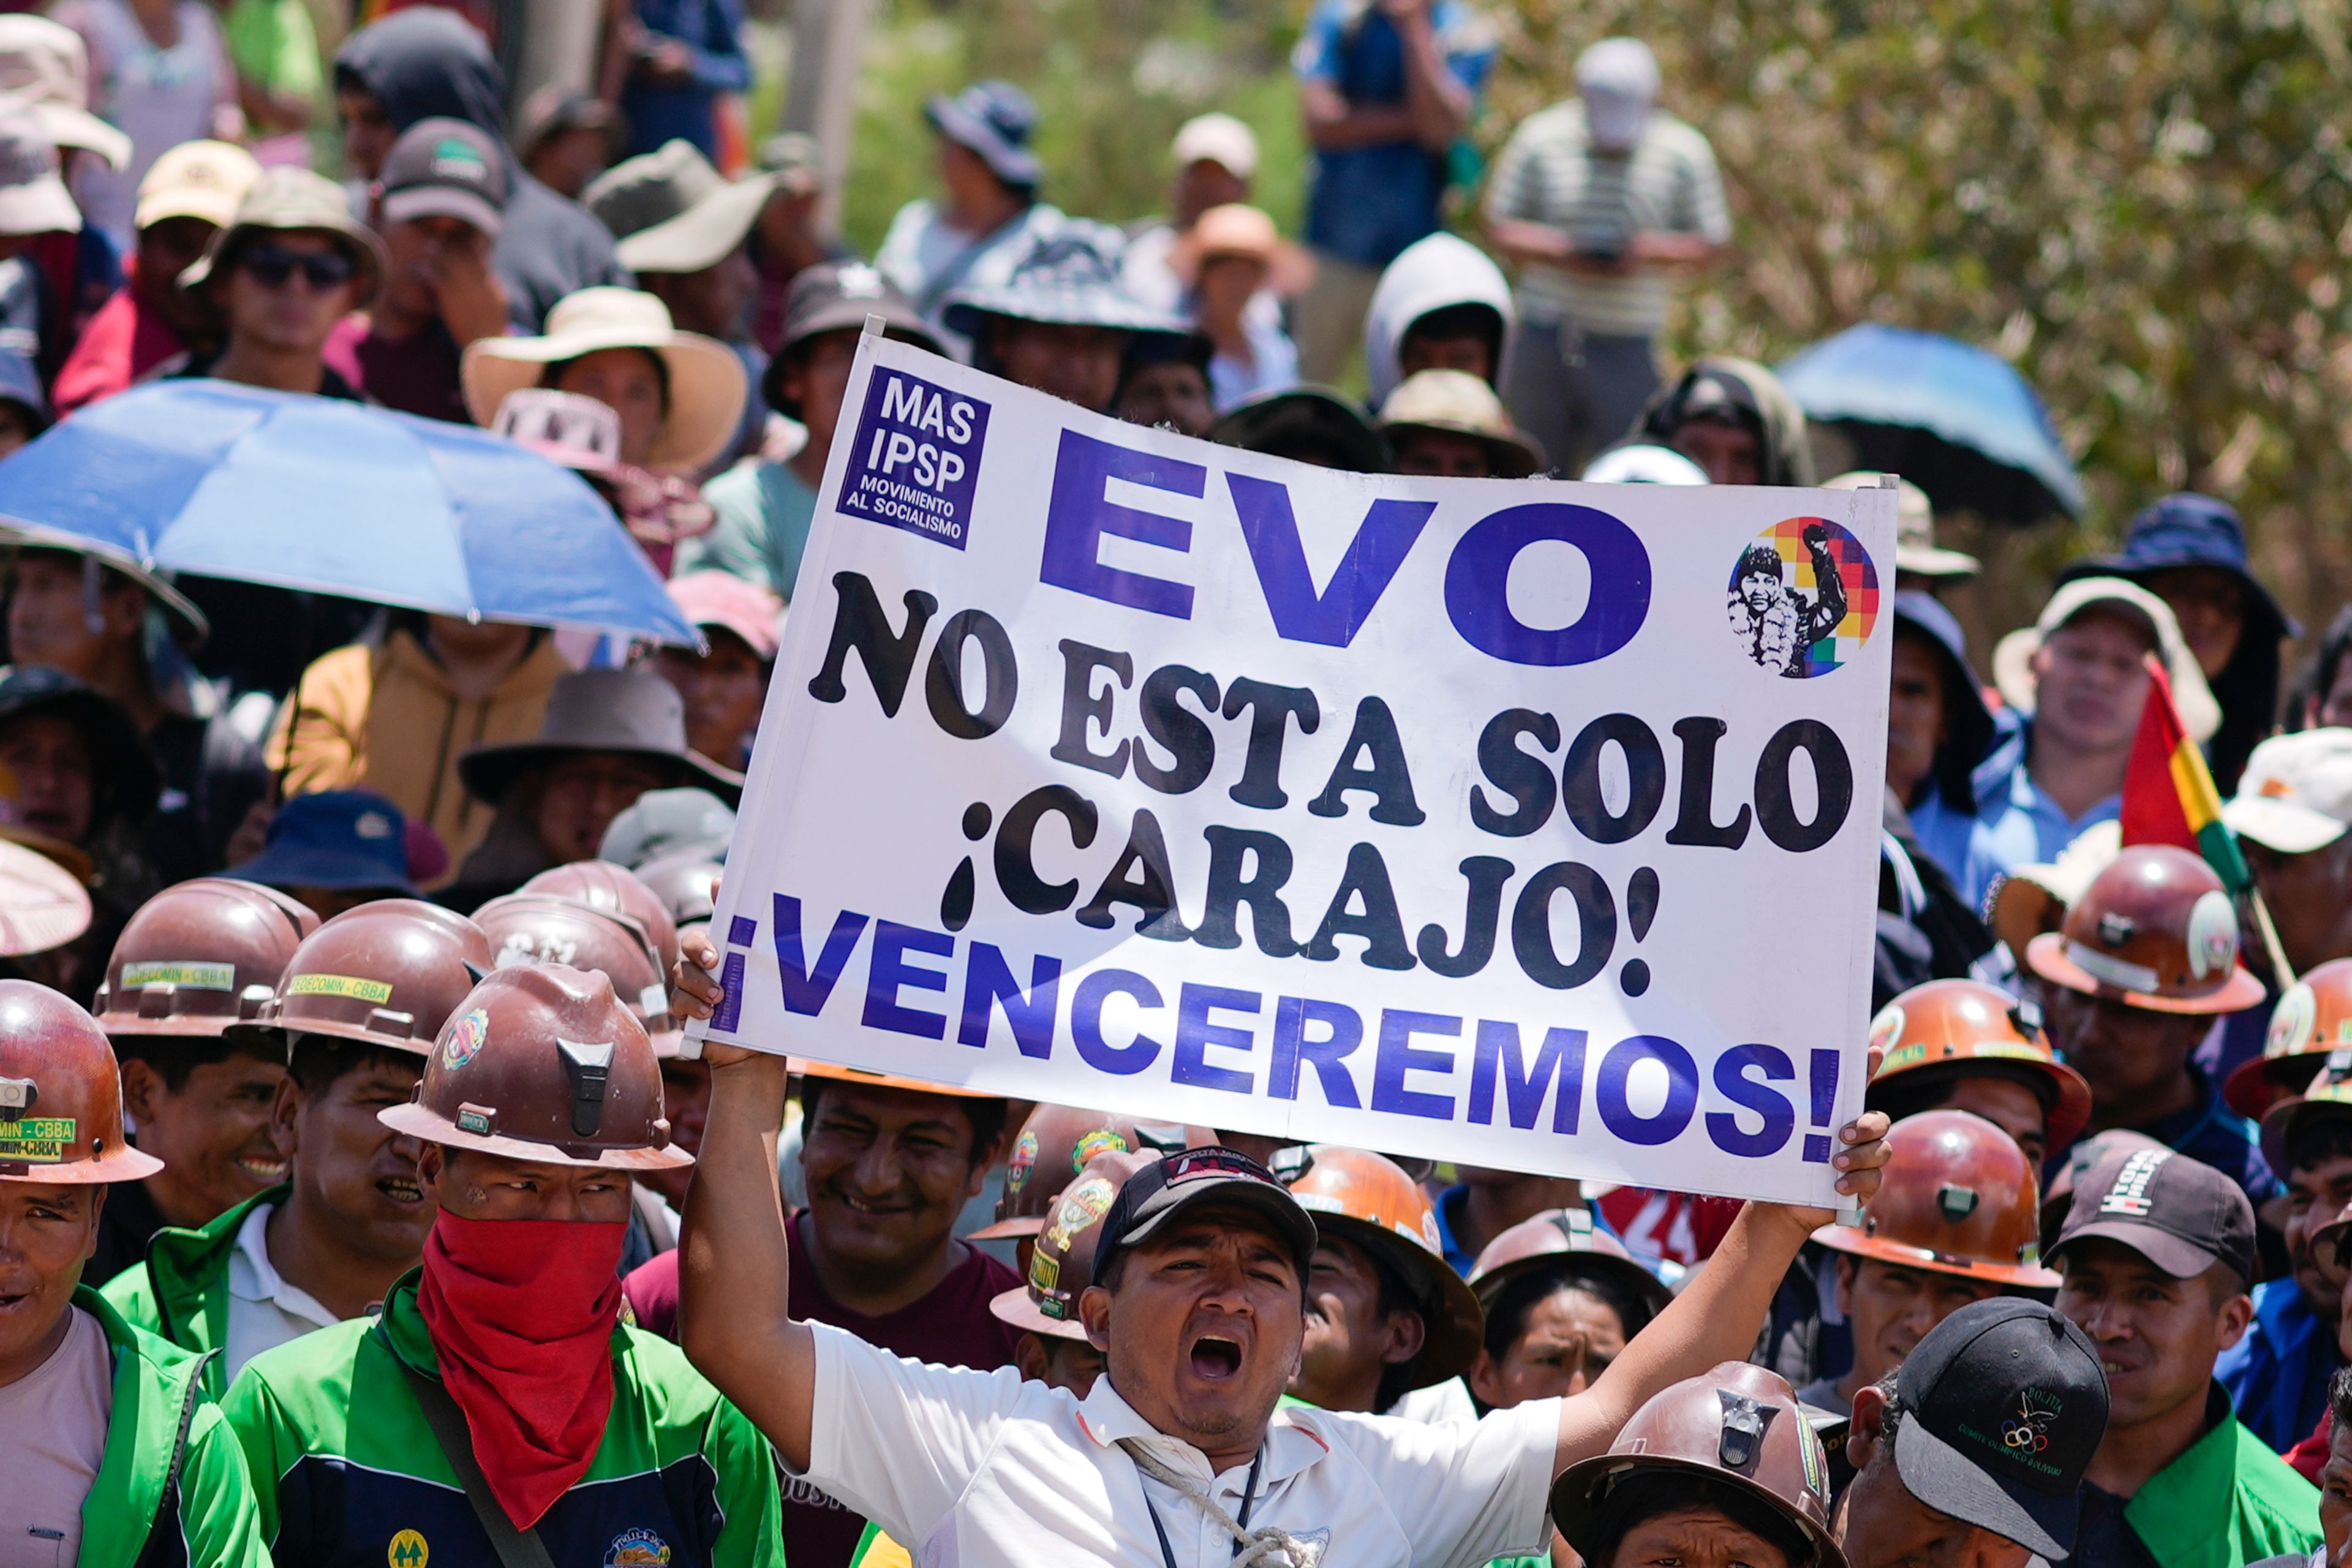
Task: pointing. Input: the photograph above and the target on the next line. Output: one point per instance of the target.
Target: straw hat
(706, 380)
(1239, 230)
(1460, 404)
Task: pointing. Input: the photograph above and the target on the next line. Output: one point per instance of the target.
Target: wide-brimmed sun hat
(706, 379)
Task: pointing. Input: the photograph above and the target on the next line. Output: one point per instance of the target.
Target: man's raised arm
(1718, 1317)
(733, 1261)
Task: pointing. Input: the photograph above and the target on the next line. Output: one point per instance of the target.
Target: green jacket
(209, 1520)
(181, 1293)
(348, 1474)
(2229, 1500)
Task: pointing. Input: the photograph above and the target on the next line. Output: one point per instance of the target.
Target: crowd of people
(361, 1203)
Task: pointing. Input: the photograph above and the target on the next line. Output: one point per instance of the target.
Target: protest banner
(1524, 824)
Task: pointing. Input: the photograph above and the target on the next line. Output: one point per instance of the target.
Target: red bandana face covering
(520, 1314)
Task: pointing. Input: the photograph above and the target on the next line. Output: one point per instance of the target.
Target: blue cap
(344, 838)
(2190, 529)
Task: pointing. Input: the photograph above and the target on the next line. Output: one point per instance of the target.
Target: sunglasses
(272, 267)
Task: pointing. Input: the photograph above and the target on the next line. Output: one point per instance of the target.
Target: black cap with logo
(2179, 1213)
(447, 168)
(1161, 1190)
(2003, 1406)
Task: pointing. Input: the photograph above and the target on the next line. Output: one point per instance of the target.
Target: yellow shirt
(385, 719)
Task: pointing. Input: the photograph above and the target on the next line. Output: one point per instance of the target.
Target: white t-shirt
(263, 1312)
(52, 1439)
(973, 1469)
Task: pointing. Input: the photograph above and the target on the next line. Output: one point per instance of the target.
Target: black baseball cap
(1161, 1191)
(447, 168)
(2003, 1406)
(2179, 1213)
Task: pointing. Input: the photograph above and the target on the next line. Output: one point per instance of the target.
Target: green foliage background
(2144, 203)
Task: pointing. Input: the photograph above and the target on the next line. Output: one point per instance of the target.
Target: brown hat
(2313, 1020)
(1957, 1197)
(634, 711)
(616, 890)
(201, 956)
(1950, 1023)
(1355, 1195)
(2155, 930)
(1737, 1425)
(386, 973)
(543, 1062)
(60, 1094)
(540, 928)
(1565, 1240)
(1060, 1139)
(1063, 1265)
(285, 200)
(1457, 403)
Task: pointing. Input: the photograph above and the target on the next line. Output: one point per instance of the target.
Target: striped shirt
(1550, 174)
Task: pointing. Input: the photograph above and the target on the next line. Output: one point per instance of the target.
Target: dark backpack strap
(515, 1548)
(165, 1535)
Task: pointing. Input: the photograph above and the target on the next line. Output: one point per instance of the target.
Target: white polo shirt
(973, 1469)
(263, 1312)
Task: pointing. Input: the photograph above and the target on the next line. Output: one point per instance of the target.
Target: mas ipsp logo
(917, 459)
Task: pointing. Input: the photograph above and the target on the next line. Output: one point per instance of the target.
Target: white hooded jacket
(1428, 274)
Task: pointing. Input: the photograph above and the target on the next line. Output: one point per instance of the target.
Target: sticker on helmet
(466, 1038)
(1081, 1206)
(408, 1550)
(188, 974)
(1817, 1464)
(1887, 1028)
(351, 985)
(1024, 1157)
(2291, 1021)
(1101, 1140)
(2212, 935)
(36, 1140)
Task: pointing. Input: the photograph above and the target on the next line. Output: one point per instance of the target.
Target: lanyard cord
(1265, 1548)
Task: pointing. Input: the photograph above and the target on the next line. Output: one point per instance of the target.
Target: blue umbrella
(1956, 420)
(332, 497)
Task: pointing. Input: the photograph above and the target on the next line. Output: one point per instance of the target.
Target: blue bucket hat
(995, 120)
(2190, 530)
(342, 838)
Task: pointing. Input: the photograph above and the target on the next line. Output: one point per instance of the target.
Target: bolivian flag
(2169, 795)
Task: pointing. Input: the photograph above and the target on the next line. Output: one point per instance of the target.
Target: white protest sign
(1531, 824)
